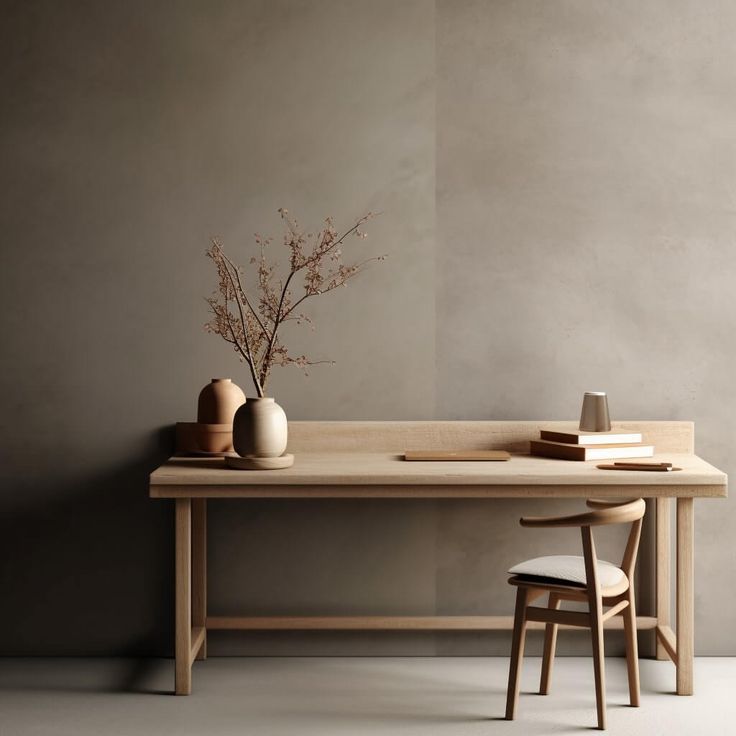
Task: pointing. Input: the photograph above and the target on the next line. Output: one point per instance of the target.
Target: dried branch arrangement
(251, 323)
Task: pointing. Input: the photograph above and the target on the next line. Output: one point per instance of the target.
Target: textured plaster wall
(557, 183)
(586, 226)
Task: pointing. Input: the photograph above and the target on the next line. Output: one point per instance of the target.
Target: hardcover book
(591, 438)
(565, 451)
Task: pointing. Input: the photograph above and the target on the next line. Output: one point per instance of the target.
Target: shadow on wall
(91, 573)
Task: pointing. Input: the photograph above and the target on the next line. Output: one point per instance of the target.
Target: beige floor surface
(350, 697)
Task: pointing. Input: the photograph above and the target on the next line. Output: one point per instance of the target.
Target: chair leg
(550, 644)
(595, 609)
(517, 651)
(632, 649)
(596, 631)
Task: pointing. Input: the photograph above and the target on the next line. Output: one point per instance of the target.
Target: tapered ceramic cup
(594, 416)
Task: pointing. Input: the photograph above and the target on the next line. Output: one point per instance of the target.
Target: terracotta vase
(260, 429)
(218, 402)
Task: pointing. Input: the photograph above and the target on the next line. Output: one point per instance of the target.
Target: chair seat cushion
(568, 569)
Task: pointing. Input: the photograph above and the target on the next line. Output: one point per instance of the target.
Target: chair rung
(615, 609)
(571, 618)
(554, 616)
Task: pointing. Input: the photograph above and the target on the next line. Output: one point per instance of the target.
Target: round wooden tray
(202, 453)
(259, 463)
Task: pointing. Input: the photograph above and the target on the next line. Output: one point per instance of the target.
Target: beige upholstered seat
(568, 569)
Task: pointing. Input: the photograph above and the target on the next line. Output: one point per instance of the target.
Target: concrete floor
(350, 696)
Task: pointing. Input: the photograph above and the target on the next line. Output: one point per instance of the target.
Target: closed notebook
(447, 455)
(588, 438)
(565, 451)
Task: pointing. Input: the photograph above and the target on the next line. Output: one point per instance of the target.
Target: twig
(254, 330)
(251, 362)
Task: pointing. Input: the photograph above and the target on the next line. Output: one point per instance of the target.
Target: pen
(652, 467)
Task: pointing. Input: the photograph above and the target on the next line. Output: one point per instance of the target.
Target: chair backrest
(604, 513)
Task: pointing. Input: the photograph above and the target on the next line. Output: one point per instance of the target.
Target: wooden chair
(579, 579)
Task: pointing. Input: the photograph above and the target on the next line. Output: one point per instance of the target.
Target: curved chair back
(606, 512)
(603, 513)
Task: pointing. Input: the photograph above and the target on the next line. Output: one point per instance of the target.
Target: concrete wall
(557, 181)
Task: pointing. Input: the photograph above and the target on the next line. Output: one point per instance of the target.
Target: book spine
(573, 452)
(570, 439)
(579, 440)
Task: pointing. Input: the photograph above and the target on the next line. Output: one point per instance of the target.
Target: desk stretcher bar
(391, 623)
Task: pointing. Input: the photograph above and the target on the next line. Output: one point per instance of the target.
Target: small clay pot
(218, 402)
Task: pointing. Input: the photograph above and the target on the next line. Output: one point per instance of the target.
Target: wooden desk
(362, 460)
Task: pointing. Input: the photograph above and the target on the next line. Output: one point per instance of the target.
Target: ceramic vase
(218, 402)
(260, 429)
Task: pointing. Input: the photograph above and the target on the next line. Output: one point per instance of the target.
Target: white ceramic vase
(260, 429)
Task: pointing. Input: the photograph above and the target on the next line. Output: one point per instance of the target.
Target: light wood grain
(632, 648)
(363, 460)
(595, 608)
(620, 601)
(199, 570)
(667, 637)
(547, 615)
(456, 455)
(616, 609)
(608, 514)
(389, 623)
(259, 463)
(183, 583)
(550, 644)
(198, 638)
(677, 437)
(663, 573)
(685, 596)
(366, 475)
(628, 565)
(517, 651)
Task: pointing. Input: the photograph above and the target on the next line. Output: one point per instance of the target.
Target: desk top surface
(383, 474)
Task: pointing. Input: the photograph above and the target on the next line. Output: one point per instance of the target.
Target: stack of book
(576, 445)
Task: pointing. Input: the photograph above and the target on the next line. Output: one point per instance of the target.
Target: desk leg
(183, 564)
(663, 569)
(199, 571)
(685, 596)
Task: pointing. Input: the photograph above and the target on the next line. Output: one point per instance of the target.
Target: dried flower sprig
(251, 325)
